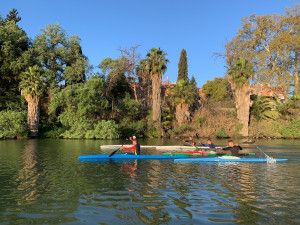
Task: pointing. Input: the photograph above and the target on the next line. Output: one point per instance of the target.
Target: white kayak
(157, 147)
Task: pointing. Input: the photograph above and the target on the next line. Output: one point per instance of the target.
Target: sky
(200, 27)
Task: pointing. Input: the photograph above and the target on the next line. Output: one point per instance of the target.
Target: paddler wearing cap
(136, 146)
(132, 138)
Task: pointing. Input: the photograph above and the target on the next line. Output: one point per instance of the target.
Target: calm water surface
(42, 182)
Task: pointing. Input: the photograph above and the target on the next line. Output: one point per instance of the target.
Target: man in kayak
(234, 148)
(136, 147)
(190, 141)
(209, 144)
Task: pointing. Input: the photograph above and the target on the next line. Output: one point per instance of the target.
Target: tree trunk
(135, 91)
(242, 104)
(297, 87)
(156, 98)
(33, 114)
(182, 113)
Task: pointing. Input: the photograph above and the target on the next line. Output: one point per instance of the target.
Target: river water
(42, 182)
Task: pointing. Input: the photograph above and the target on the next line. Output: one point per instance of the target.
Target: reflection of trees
(28, 175)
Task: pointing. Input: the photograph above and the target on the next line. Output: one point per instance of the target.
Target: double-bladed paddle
(111, 154)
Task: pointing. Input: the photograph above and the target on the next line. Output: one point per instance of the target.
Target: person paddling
(136, 147)
(191, 141)
(233, 148)
(209, 144)
(132, 138)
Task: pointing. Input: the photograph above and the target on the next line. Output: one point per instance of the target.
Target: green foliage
(264, 108)
(271, 43)
(220, 133)
(291, 130)
(75, 73)
(77, 126)
(104, 129)
(13, 124)
(200, 120)
(296, 97)
(152, 130)
(218, 89)
(130, 108)
(183, 128)
(33, 82)
(156, 61)
(241, 71)
(130, 127)
(14, 42)
(60, 55)
(183, 92)
(167, 117)
(117, 86)
(13, 16)
(56, 132)
(238, 128)
(83, 99)
(182, 66)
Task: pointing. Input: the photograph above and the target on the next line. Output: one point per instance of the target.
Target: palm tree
(32, 86)
(156, 66)
(183, 95)
(240, 73)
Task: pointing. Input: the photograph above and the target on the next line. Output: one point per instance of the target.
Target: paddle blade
(197, 135)
(111, 154)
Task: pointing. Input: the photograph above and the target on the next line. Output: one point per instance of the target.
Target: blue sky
(200, 27)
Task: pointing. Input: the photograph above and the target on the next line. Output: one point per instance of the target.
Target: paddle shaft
(262, 151)
(197, 135)
(111, 154)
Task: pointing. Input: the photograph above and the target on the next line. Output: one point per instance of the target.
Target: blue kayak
(124, 156)
(219, 159)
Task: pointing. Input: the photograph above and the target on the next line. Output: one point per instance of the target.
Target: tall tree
(272, 44)
(183, 95)
(32, 86)
(182, 66)
(117, 84)
(60, 55)
(132, 58)
(14, 42)
(145, 86)
(156, 66)
(240, 74)
(13, 16)
(76, 62)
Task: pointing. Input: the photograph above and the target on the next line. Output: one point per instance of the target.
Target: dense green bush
(181, 129)
(238, 128)
(218, 89)
(130, 127)
(200, 121)
(13, 124)
(77, 126)
(104, 129)
(220, 133)
(265, 108)
(291, 130)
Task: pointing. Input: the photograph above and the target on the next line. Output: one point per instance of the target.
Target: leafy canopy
(33, 82)
(217, 89)
(241, 71)
(156, 62)
(183, 92)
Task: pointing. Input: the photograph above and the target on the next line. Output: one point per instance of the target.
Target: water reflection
(28, 175)
(43, 183)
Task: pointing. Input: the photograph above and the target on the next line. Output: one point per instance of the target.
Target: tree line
(63, 97)
(49, 89)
